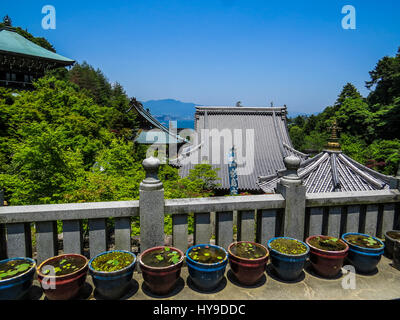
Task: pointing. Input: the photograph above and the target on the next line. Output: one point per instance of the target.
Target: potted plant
(396, 255)
(16, 277)
(62, 277)
(206, 264)
(327, 254)
(112, 272)
(365, 251)
(390, 238)
(161, 268)
(288, 256)
(247, 261)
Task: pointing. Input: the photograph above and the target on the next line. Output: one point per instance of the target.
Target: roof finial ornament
(239, 104)
(7, 21)
(333, 142)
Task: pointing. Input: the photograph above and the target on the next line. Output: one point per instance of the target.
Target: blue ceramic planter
(15, 288)
(288, 267)
(112, 285)
(364, 260)
(206, 276)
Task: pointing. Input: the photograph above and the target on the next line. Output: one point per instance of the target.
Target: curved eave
(330, 172)
(50, 60)
(158, 125)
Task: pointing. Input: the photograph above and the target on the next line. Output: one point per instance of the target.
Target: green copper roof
(12, 42)
(156, 137)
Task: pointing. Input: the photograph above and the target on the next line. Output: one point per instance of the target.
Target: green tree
(355, 118)
(388, 119)
(387, 151)
(385, 78)
(91, 80)
(41, 169)
(348, 91)
(297, 136)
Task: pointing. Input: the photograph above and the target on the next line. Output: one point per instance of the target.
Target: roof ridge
(369, 170)
(149, 117)
(358, 170)
(304, 155)
(234, 108)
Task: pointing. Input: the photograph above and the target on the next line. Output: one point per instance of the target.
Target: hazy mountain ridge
(171, 109)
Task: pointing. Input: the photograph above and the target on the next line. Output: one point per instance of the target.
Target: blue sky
(222, 51)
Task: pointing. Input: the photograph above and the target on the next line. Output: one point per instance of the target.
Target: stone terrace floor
(383, 284)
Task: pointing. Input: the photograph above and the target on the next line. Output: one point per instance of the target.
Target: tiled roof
(271, 143)
(14, 43)
(331, 171)
(163, 134)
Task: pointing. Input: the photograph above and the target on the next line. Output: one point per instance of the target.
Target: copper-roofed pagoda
(331, 171)
(22, 61)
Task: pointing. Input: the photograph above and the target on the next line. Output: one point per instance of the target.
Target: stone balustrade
(289, 212)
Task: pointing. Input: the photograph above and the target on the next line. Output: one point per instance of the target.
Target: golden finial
(333, 142)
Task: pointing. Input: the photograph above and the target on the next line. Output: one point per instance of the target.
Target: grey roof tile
(271, 141)
(318, 174)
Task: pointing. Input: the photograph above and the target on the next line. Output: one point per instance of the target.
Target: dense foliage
(71, 139)
(370, 126)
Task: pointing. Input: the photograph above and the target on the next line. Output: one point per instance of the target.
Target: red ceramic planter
(326, 263)
(161, 280)
(247, 271)
(67, 286)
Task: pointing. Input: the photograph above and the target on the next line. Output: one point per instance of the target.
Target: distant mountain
(295, 114)
(171, 109)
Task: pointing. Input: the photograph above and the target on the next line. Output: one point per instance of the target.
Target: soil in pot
(112, 261)
(288, 246)
(394, 234)
(363, 241)
(207, 254)
(248, 251)
(14, 268)
(63, 266)
(160, 258)
(327, 244)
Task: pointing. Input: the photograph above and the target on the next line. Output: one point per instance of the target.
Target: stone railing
(290, 212)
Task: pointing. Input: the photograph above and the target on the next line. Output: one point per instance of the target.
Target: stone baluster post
(151, 206)
(294, 192)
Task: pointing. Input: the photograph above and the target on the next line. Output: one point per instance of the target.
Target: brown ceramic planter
(247, 271)
(326, 263)
(161, 280)
(66, 286)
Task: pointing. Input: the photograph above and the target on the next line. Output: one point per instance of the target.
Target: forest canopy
(71, 140)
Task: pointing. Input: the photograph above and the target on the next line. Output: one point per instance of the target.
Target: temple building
(22, 61)
(258, 135)
(331, 171)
